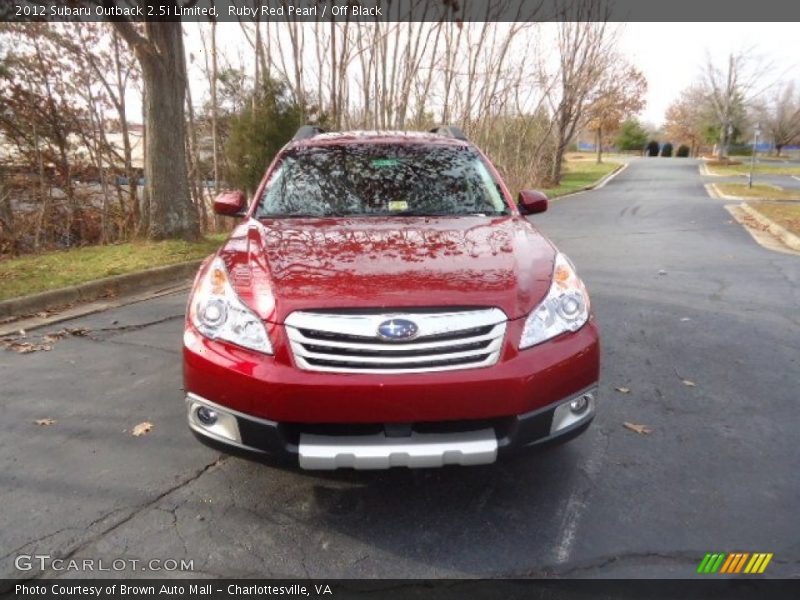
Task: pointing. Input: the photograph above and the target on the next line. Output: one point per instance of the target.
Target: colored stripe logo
(734, 563)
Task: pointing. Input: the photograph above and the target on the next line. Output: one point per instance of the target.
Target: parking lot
(701, 345)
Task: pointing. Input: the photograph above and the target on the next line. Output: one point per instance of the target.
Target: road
(681, 292)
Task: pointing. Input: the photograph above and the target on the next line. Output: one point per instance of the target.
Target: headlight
(565, 308)
(217, 312)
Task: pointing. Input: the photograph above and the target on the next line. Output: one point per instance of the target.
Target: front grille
(349, 343)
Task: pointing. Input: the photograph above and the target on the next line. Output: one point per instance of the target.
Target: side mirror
(531, 202)
(231, 204)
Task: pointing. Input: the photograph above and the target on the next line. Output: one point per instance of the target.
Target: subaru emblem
(397, 329)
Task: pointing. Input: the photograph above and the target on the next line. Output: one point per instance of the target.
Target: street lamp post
(753, 156)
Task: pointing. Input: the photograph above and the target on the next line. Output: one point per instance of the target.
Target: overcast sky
(671, 55)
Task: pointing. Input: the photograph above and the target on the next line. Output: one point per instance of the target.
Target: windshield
(381, 180)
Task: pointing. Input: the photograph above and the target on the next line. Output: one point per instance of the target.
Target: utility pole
(753, 155)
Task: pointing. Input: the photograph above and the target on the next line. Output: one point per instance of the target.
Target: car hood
(282, 265)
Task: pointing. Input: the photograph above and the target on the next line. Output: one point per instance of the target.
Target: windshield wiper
(417, 213)
(429, 213)
(300, 215)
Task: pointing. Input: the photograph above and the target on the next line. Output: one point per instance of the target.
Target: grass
(53, 270)
(580, 171)
(787, 215)
(777, 159)
(760, 168)
(758, 191)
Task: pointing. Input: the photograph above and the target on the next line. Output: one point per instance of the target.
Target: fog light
(206, 416)
(579, 405)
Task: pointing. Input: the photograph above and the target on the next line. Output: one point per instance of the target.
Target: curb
(711, 190)
(596, 185)
(757, 231)
(608, 177)
(706, 172)
(787, 237)
(92, 290)
(714, 192)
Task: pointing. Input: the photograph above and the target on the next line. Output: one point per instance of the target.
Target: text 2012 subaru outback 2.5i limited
(386, 303)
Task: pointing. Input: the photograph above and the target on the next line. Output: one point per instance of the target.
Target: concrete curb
(787, 237)
(117, 285)
(609, 177)
(714, 192)
(596, 185)
(706, 172)
(757, 231)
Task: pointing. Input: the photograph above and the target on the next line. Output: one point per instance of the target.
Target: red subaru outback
(386, 303)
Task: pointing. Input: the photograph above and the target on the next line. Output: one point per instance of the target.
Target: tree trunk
(130, 220)
(8, 241)
(195, 176)
(722, 143)
(144, 212)
(558, 159)
(172, 214)
(599, 145)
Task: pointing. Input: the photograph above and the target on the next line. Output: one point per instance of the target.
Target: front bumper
(273, 388)
(377, 446)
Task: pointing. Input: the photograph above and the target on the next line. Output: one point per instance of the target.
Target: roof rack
(307, 132)
(450, 131)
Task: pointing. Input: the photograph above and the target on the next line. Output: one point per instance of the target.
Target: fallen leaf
(62, 333)
(623, 390)
(41, 315)
(24, 347)
(45, 422)
(636, 428)
(142, 428)
(689, 383)
(78, 331)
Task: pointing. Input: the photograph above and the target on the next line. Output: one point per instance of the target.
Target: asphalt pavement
(698, 322)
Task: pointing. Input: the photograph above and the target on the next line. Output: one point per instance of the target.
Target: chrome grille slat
(400, 351)
(373, 360)
(378, 345)
(328, 336)
(348, 343)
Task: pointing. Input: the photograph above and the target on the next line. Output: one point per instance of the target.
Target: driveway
(683, 296)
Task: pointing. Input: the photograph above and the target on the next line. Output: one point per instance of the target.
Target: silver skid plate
(377, 451)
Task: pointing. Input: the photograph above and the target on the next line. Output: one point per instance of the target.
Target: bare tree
(584, 46)
(619, 95)
(40, 117)
(159, 49)
(689, 118)
(729, 89)
(112, 71)
(782, 118)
